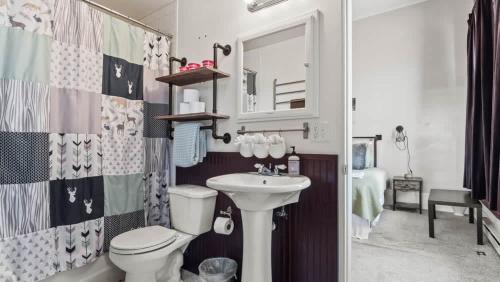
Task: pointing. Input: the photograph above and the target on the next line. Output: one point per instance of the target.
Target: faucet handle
(259, 167)
(281, 166)
(277, 168)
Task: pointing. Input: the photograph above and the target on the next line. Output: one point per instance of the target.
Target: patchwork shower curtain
(81, 157)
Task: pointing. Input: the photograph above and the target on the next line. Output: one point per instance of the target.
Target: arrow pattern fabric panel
(157, 146)
(81, 157)
(74, 156)
(79, 244)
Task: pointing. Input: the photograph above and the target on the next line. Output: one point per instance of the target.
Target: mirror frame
(311, 110)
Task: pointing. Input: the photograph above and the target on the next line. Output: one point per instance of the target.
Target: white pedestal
(257, 234)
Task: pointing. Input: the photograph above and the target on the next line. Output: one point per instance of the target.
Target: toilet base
(170, 270)
(140, 277)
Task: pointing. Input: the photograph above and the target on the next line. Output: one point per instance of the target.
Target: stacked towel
(190, 145)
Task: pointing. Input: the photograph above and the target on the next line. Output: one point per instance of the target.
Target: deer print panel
(76, 200)
(79, 244)
(28, 15)
(122, 130)
(122, 79)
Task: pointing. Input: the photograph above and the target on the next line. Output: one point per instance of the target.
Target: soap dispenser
(293, 163)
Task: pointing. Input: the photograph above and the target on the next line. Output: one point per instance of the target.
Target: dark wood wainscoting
(304, 244)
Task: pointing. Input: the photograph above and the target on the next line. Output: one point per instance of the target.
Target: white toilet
(155, 253)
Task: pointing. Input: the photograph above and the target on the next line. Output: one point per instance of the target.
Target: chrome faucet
(269, 171)
(262, 170)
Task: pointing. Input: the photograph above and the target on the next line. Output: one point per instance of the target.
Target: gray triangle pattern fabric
(28, 257)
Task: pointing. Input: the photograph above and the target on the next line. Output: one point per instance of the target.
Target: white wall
(165, 20)
(410, 68)
(201, 23)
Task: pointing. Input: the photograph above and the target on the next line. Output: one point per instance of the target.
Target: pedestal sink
(256, 196)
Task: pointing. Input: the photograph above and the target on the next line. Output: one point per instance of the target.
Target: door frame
(345, 195)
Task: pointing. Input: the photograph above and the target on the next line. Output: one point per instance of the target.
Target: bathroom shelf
(193, 76)
(192, 117)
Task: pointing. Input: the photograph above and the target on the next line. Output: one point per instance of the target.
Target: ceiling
(136, 9)
(367, 8)
(139, 9)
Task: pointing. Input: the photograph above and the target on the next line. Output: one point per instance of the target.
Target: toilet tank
(192, 208)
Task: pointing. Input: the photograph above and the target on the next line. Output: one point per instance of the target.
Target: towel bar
(305, 129)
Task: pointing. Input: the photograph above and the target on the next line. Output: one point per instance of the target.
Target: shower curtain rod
(108, 10)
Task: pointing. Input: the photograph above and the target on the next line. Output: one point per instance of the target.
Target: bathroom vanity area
(303, 240)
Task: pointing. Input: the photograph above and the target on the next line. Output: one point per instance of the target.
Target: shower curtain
(81, 157)
(482, 152)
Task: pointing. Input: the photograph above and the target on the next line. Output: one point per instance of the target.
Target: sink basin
(256, 196)
(251, 191)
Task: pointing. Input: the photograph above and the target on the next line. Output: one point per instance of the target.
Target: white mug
(261, 150)
(278, 150)
(246, 150)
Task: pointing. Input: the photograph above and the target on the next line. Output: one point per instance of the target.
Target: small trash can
(218, 270)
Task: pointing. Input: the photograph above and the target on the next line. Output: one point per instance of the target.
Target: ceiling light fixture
(256, 5)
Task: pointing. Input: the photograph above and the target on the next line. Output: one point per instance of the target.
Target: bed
(368, 186)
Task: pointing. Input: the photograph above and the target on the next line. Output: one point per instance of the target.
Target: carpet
(399, 249)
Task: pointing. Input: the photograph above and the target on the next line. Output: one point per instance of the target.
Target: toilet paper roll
(223, 225)
(197, 107)
(191, 95)
(184, 108)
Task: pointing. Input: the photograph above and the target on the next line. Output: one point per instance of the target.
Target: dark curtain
(482, 152)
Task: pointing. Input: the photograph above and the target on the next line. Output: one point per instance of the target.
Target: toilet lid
(151, 237)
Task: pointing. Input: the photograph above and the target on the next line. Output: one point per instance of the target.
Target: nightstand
(407, 184)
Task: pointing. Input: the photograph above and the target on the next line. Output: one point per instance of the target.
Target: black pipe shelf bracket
(190, 77)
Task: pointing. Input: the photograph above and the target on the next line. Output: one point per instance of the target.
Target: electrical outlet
(319, 131)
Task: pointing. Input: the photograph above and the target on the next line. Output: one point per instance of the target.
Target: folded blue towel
(190, 144)
(202, 146)
(187, 144)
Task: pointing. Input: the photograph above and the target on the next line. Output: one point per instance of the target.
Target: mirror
(278, 71)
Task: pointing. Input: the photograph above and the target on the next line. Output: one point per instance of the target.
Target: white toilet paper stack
(191, 103)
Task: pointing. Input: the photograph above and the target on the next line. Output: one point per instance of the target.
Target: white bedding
(362, 227)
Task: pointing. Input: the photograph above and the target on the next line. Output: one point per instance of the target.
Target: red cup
(208, 63)
(193, 66)
(181, 69)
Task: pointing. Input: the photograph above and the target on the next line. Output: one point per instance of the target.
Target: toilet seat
(142, 240)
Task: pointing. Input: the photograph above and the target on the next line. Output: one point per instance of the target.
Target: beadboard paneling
(304, 245)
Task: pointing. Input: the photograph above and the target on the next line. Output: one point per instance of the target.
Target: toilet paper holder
(227, 212)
